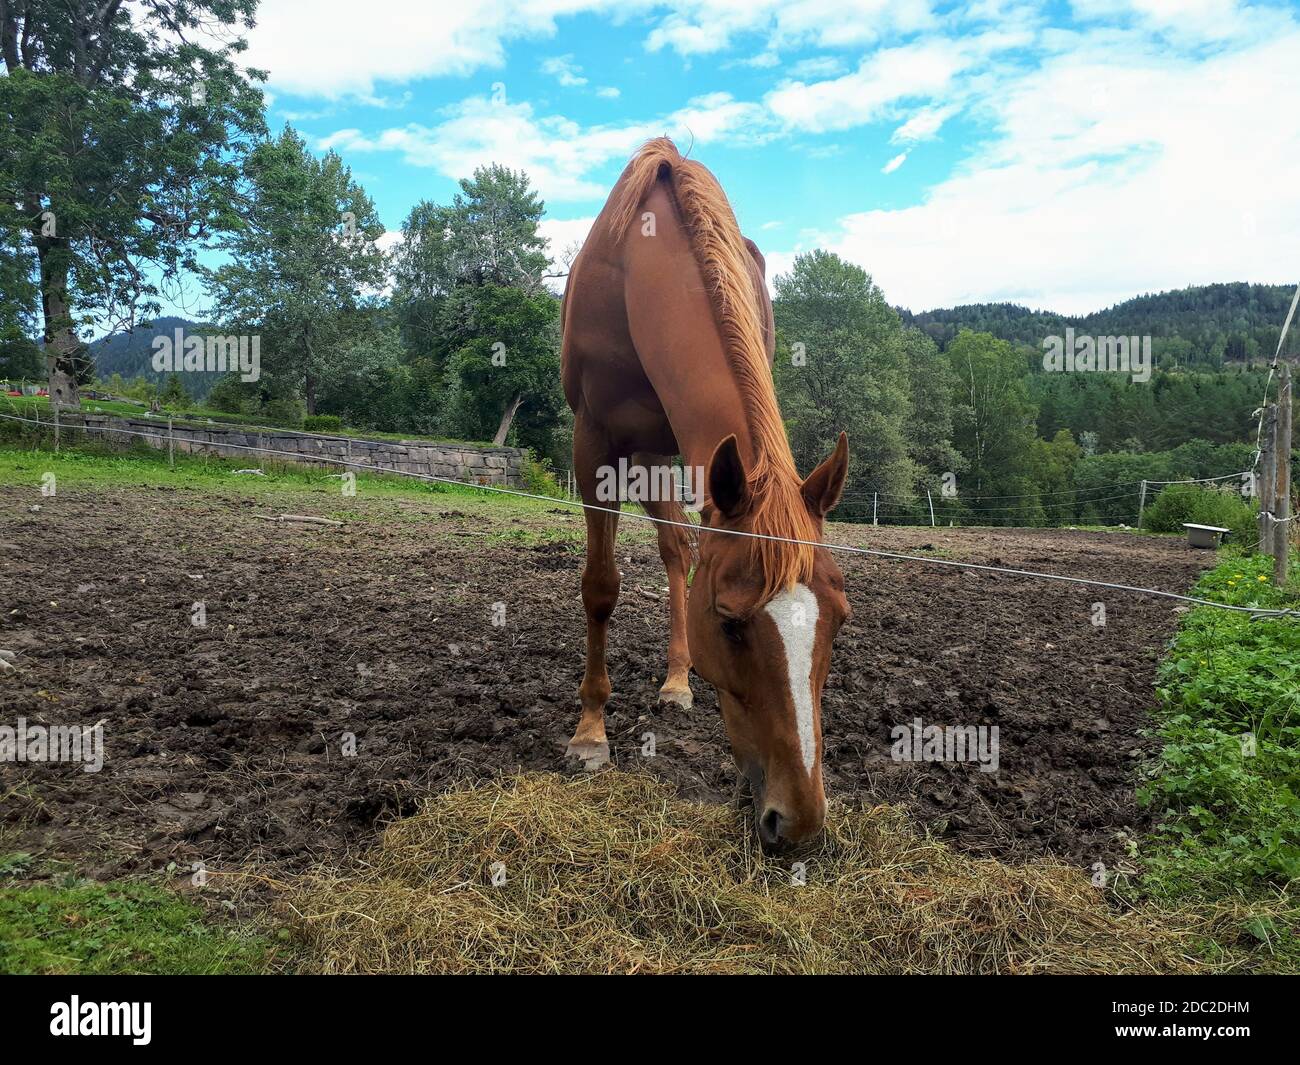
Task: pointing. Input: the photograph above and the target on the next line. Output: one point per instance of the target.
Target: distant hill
(1207, 324)
(131, 354)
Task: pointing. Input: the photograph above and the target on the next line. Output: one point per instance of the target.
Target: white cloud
(563, 69)
(1115, 169)
(559, 155)
(894, 163)
(332, 48)
(609, 92)
(329, 48)
(923, 125)
(702, 27)
(822, 66)
(1204, 20)
(924, 69)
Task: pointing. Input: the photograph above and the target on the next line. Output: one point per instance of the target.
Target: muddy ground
(224, 742)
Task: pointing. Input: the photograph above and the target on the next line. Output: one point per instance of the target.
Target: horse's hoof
(592, 755)
(681, 696)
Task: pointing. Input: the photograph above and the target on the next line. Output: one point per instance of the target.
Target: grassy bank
(1227, 783)
(93, 464)
(66, 926)
(39, 406)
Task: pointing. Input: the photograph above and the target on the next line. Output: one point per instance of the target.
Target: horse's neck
(704, 429)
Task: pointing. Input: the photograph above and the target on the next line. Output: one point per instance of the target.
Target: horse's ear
(728, 483)
(823, 487)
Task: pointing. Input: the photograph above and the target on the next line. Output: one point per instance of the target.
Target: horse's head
(768, 656)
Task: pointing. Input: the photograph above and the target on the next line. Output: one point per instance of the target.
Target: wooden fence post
(1282, 481)
(930, 499)
(1142, 502)
(171, 444)
(56, 430)
(875, 500)
(1264, 482)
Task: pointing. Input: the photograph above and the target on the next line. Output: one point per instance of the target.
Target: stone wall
(459, 462)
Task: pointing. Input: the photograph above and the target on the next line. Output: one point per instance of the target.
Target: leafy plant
(539, 478)
(1223, 507)
(322, 423)
(1227, 783)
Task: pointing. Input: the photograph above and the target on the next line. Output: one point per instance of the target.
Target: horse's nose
(771, 828)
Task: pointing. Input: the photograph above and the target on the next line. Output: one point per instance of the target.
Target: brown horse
(668, 346)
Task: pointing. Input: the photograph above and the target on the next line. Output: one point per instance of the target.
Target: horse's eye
(733, 629)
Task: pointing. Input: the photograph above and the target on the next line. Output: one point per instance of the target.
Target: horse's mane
(778, 508)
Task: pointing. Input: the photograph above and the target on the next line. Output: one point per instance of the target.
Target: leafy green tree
(487, 235)
(121, 129)
(841, 365)
(929, 429)
(993, 420)
(479, 327)
(302, 265)
(505, 358)
(174, 395)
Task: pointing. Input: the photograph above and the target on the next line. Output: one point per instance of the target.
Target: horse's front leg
(600, 583)
(675, 550)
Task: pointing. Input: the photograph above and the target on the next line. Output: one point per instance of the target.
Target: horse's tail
(725, 261)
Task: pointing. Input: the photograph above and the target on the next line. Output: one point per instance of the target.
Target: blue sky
(1063, 155)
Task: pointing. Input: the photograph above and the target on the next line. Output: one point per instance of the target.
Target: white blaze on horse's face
(794, 612)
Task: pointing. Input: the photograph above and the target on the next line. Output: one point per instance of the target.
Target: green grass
(29, 406)
(297, 488)
(25, 405)
(1230, 814)
(87, 928)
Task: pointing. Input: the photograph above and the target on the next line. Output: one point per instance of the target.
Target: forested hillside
(130, 355)
(976, 426)
(1204, 326)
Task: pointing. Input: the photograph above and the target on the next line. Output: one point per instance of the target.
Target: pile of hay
(614, 873)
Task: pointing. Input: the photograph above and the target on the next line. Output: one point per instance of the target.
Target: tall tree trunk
(507, 419)
(308, 377)
(64, 352)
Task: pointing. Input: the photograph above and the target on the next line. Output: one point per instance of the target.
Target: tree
(303, 264)
(174, 395)
(487, 235)
(841, 364)
(477, 322)
(505, 356)
(993, 419)
(929, 430)
(120, 138)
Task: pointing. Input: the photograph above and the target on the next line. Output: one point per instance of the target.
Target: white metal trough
(1204, 535)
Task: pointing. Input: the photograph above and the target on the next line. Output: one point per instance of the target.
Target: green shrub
(283, 410)
(322, 423)
(539, 478)
(1195, 503)
(1226, 786)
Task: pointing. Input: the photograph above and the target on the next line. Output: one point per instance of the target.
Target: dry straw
(614, 873)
